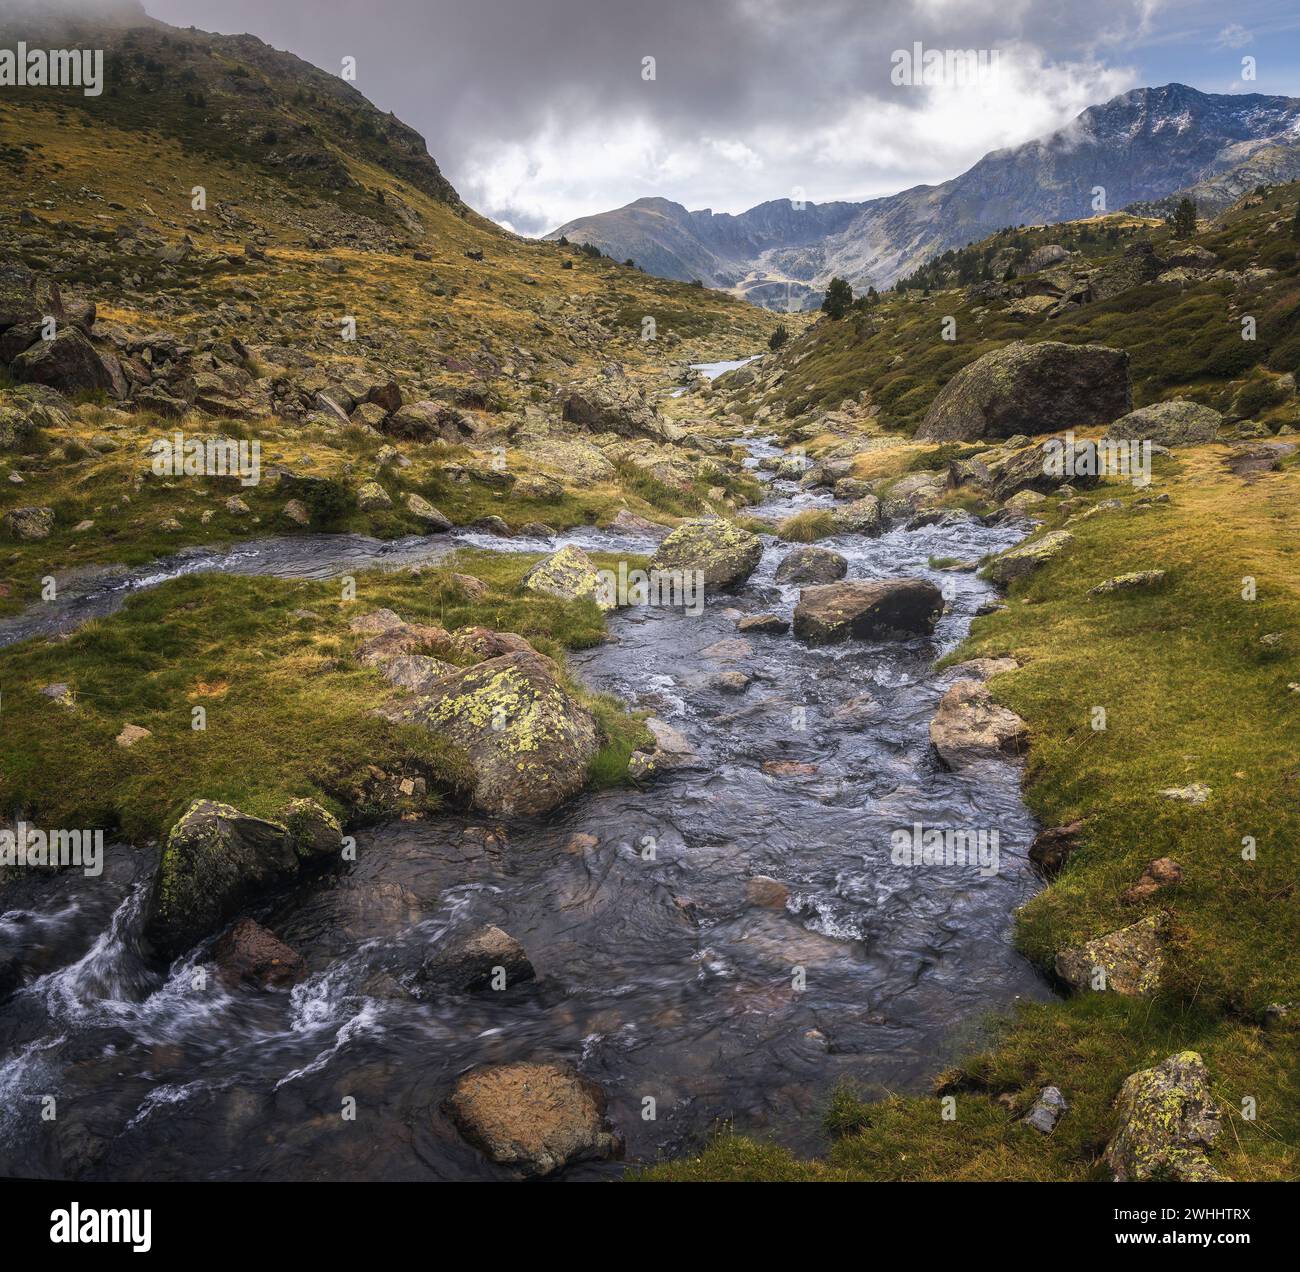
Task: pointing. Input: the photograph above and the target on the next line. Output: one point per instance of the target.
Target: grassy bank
(289, 713)
(1191, 695)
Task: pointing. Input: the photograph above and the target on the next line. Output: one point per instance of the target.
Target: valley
(409, 797)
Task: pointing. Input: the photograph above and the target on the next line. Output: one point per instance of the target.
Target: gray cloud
(537, 109)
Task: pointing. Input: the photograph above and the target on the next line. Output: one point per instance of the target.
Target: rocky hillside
(1140, 146)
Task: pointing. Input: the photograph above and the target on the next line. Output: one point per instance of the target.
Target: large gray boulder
(215, 859)
(812, 565)
(893, 609)
(1177, 422)
(1030, 388)
(528, 741)
(725, 554)
(69, 363)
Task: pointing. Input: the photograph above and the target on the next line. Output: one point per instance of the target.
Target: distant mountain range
(1144, 148)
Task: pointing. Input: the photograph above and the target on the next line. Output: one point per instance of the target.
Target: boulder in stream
(969, 727)
(890, 609)
(725, 554)
(214, 860)
(486, 958)
(812, 565)
(250, 954)
(537, 1118)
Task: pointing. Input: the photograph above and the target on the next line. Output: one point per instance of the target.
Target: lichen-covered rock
(862, 516)
(1030, 388)
(812, 565)
(248, 953)
(724, 554)
(1128, 962)
(570, 575)
(615, 405)
(313, 830)
(1131, 582)
(1025, 558)
(969, 727)
(434, 521)
(1038, 468)
(892, 609)
(528, 741)
(1177, 422)
(372, 497)
(215, 859)
(29, 523)
(1167, 1119)
(486, 958)
(537, 1118)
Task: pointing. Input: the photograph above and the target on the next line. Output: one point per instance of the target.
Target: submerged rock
(969, 727)
(487, 958)
(537, 1118)
(724, 554)
(249, 953)
(215, 859)
(892, 609)
(1030, 388)
(1128, 962)
(528, 741)
(1167, 1118)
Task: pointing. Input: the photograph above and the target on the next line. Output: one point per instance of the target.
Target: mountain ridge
(1142, 146)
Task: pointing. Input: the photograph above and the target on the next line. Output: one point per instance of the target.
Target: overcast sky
(539, 110)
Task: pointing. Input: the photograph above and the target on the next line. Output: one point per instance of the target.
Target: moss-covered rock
(215, 859)
(314, 831)
(1025, 558)
(528, 741)
(1167, 1120)
(725, 554)
(1030, 388)
(570, 575)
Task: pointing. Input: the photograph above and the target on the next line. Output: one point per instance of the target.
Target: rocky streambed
(725, 941)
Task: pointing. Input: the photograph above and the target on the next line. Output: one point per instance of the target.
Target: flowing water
(663, 972)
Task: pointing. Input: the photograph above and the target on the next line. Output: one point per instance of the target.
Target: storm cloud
(542, 110)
